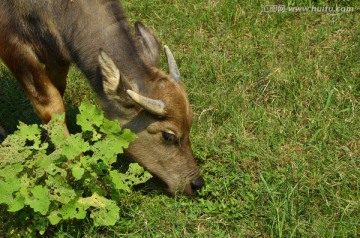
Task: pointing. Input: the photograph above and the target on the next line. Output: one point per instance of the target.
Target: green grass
(277, 122)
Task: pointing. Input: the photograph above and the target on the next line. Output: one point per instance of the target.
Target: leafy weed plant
(66, 177)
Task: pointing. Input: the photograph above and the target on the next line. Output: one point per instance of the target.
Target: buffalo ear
(113, 81)
(148, 45)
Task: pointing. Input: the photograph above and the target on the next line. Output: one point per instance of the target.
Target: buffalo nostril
(198, 183)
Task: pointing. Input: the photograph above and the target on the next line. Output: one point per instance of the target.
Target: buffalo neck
(101, 25)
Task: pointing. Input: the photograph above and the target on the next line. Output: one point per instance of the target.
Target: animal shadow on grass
(16, 107)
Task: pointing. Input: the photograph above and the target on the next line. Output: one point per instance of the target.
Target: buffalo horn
(173, 69)
(156, 107)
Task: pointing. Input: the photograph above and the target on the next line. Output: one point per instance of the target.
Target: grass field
(277, 122)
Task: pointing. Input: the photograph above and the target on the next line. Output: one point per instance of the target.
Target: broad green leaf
(9, 182)
(74, 146)
(107, 215)
(17, 203)
(107, 212)
(107, 149)
(52, 169)
(87, 161)
(7, 188)
(89, 116)
(110, 127)
(55, 129)
(54, 217)
(128, 136)
(11, 171)
(137, 174)
(73, 209)
(77, 171)
(12, 150)
(94, 201)
(39, 200)
(26, 184)
(135, 169)
(31, 133)
(41, 160)
(118, 181)
(59, 190)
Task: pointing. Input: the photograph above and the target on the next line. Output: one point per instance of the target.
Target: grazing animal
(39, 39)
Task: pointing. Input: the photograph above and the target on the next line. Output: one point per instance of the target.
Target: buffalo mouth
(195, 186)
(189, 189)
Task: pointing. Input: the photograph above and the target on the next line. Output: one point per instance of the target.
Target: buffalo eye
(170, 137)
